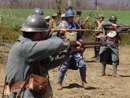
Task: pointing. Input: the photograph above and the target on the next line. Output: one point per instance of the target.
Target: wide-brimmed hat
(111, 34)
(47, 17)
(54, 14)
(78, 11)
(62, 15)
(101, 16)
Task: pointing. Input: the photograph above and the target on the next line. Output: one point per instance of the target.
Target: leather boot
(59, 87)
(103, 73)
(85, 84)
(115, 75)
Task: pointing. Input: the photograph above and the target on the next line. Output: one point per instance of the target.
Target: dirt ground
(100, 87)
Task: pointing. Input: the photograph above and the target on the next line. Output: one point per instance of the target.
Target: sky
(109, 1)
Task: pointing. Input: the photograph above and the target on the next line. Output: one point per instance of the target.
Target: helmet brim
(32, 29)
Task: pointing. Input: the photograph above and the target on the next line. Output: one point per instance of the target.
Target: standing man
(62, 19)
(76, 56)
(109, 54)
(33, 51)
(47, 18)
(78, 19)
(98, 35)
(52, 22)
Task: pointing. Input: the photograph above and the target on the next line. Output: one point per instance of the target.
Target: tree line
(52, 4)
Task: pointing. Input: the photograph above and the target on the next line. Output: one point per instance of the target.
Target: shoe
(85, 84)
(97, 58)
(103, 73)
(115, 75)
(59, 86)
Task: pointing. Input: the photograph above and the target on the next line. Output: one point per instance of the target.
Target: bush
(9, 34)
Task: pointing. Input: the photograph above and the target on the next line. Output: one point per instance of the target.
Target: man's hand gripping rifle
(80, 46)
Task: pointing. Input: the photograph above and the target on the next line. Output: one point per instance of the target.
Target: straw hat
(63, 15)
(78, 11)
(47, 17)
(101, 16)
(54, 14)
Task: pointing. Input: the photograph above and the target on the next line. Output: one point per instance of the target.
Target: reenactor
(99, 27)
(75, 56)
(109, 54)
(62, 19)
(52, 22)
(78, 19)
(47, 18)
(99, 22)
(63, 16)
(34, 50)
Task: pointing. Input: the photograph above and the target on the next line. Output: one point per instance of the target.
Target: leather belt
(17, 85)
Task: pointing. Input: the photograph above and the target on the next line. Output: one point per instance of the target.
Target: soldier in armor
(76, 56)
(31, 52)
(109, 54)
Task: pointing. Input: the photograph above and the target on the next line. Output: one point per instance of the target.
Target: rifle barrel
(92, 43)
(58, 30)
(123, 25)
(92, 46)
(73, 43)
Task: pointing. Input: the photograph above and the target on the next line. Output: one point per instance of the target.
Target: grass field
(17, 16)
(14, 18)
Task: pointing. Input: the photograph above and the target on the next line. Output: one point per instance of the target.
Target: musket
(94, 44)
(123, 25)
(91, 46)
(87, 30)
(120, 29)
(101, 43)
(73, 43)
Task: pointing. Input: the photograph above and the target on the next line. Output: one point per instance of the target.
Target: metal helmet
(69, 13)
(113, 17)
(35, 23)
(38, 11)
